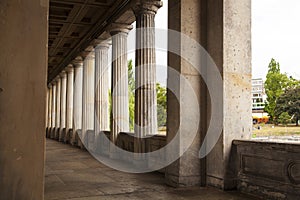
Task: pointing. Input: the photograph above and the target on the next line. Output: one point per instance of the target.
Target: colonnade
(78, 98)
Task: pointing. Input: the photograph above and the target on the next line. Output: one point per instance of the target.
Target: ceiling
(74, 24)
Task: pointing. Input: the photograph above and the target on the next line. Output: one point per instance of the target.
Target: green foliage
(161, 93)
(275, 85)
(110, 108)
(161, 99)
(293, 83)
(284, 118)
(289, 102)
(131, 81)
(131, 89)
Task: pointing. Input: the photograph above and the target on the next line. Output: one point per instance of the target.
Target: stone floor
(75, 175)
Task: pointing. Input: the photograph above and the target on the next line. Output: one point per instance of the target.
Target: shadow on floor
(73, 174)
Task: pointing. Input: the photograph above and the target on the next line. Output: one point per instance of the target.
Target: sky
(275, 34)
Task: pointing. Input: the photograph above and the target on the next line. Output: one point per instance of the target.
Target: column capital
(104, 40)
(57, 78)
(69, 68)
(63, 74)
(100, 44)
(147, 7)
(89, 52)
(78, 62)
(116, 28)
(49, 85)
(90, 55)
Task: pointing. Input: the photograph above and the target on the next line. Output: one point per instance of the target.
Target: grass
(265, 131)
(272, 130)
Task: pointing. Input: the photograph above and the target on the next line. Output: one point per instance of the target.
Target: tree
(284, 118)
(161, 99)
(161, 93)
(289, 102)
(275, 85)
(131, 90)
(293, 83)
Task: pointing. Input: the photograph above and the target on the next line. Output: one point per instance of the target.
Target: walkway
(73, 174)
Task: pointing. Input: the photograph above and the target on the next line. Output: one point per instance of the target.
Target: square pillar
(23, 78)
(223, 29)
(229, 44)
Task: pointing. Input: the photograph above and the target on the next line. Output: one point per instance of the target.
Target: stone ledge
(268, 169)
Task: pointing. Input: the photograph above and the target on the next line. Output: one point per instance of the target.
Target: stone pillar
(58, 94)
(69, 109)
(49, 118)
(23, 75)
(77, 99)
(53, 117)
(120, 107)
(145, 72)
(101, 88)
(47, 108)
(223, 29)
(63, 104)
(88, 96)
(229, 44)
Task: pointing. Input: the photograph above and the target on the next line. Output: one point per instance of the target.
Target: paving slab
(73, 174)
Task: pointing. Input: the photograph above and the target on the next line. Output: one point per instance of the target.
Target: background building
(258, 94)
(258, 101)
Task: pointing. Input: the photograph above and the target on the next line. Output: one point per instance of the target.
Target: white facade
(258, 94)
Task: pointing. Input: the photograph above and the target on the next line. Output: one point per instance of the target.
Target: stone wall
(270, 170)
(100, 145)
(126, 142)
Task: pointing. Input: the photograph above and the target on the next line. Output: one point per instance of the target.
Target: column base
(182, 181)
(90, 140)
(48, 131)
(75, 138)
(56, 134)
(62, 135)
(80, 143)
(69, 136)
(221, 183)
(103, 143)
(52, 133)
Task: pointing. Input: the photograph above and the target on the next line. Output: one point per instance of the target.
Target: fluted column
(58, 92)
(53, 117)
(120, 107)
(69, 110)
(49, 109)
(101, 88)
(77, 99)
(49, 117)
(88, 97)
(145, 72)
(63, 105)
